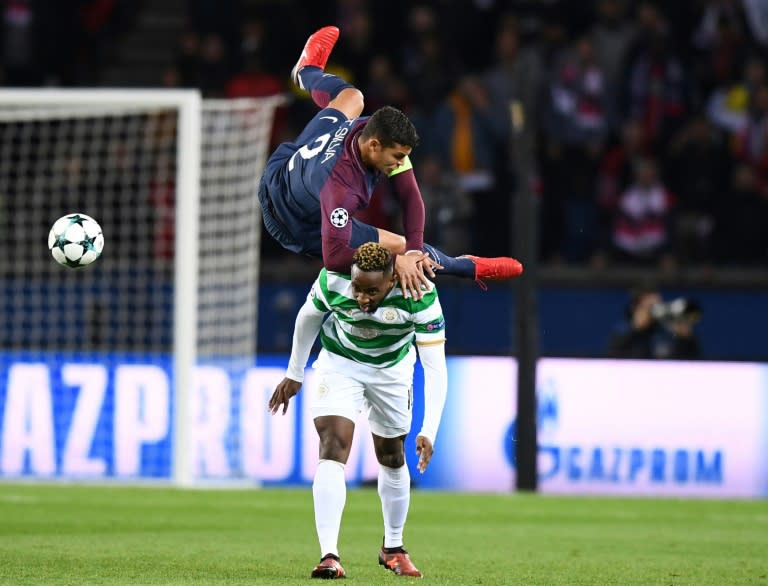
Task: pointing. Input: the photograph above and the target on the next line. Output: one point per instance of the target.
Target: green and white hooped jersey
(380, 339)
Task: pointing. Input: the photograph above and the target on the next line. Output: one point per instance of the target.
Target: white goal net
(172, 179)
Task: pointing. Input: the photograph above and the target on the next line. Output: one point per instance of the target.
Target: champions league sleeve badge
(339, 217)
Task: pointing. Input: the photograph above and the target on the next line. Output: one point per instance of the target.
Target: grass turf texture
(69, 534)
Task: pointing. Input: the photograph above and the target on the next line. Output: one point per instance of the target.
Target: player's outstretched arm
(432, 357)
(308, 324)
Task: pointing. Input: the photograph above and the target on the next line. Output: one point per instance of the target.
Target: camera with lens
(677, 310)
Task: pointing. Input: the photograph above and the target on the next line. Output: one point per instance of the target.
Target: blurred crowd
(59, 42)
(651, 117)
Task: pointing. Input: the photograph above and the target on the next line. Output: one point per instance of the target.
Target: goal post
(148, 165)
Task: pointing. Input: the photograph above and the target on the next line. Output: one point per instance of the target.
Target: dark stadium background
(702, 129)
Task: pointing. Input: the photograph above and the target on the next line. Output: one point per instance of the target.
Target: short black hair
(391, 126)
(372, 256)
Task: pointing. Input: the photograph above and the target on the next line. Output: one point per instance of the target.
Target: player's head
(391, 127)
(388, 137)
(373, 275)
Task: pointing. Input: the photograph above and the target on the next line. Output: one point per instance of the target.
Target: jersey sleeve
(308, 323)
(338, 202)
(407, 191)
(318, 295)
(429, 323)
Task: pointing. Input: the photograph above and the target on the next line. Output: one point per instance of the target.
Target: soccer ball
(75, 240)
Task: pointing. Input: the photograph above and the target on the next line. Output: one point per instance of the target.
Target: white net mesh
(235, 143)
(118, 165)
(88, 360)
(116, 169)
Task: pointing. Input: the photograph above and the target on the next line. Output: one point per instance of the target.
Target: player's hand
(410, 269)
(428, 264)
(285, 390)
(425, 451)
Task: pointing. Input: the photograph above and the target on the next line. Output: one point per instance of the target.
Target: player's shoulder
(333, 282)
(397, 298)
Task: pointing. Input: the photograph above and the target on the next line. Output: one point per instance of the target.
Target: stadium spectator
(20, 44)
(312, 188)
(612, 34)
(359, 366)
(751, 144)
(515, 75)
(575, 128)
(657, 91)
(253, 81)
(698, 172)
(615, 175)
(385, 86)
(654, 329)
(100, 22)
(724, 42)
(426, 60)
(187, 59)
(466, 138)
(447, 206)
(214, 66)
(741, 222)
(642, 224)
(357, 48)
(728, 105)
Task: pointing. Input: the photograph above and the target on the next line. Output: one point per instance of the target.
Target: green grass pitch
(71, 534)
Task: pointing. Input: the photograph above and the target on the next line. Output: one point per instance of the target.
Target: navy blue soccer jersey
(314, 187)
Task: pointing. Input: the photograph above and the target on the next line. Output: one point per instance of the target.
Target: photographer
(655, 329)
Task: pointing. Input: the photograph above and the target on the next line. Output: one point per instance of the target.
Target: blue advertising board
(604, 426)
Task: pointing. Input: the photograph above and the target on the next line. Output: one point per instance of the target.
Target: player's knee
(350, 101)
(334, 447)
(390, 452)
(396, 460)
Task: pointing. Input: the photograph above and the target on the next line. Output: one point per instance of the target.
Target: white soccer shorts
(346, 388)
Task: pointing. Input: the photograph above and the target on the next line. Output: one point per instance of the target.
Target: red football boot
(498, 268)
(329, 568)
(316, 51)
(399, 562)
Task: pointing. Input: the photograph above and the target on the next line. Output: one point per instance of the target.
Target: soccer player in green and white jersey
(366, 362)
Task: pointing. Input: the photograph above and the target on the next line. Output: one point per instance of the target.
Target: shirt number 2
(307, 153)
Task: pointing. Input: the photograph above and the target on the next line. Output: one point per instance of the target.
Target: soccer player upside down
(312, 188)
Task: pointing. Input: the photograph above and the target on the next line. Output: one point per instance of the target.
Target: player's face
(386, 159)
(370, 287)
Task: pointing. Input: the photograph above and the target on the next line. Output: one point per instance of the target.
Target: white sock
(329, 490)
(395, 493)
